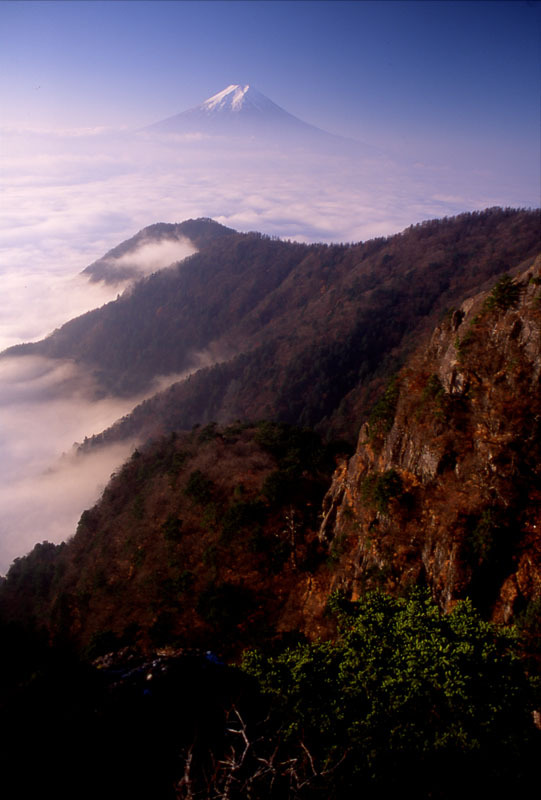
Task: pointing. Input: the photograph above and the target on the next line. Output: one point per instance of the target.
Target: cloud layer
(45, 407)
(68, 199)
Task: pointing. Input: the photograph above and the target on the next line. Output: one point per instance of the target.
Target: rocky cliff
(444, 486)
(209, 538)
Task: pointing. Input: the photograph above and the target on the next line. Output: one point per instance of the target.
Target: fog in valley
(45, 408)
(70, 196)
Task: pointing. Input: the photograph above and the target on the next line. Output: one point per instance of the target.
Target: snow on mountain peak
(240, 110)
(235, 98)
(230, 97)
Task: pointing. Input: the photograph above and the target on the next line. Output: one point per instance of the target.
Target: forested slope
(120, 263)
(356, 593)
(304, 334)
(300, 333)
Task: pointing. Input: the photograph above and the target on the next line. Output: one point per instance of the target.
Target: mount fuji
(243, 112)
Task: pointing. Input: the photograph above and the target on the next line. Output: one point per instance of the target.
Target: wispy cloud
(34, 303)
(151, 256)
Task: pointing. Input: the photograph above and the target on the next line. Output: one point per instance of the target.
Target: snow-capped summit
(238, 98)
(242, 112)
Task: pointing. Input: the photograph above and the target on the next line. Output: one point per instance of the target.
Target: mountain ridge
(131, 645)
(442, 490)
(300, 333)
(115, 266)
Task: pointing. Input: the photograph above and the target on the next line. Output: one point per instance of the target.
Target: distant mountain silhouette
(244, 112)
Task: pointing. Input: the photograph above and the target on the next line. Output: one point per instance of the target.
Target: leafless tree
(253, 768)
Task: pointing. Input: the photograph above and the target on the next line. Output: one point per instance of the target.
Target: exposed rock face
(445, 485)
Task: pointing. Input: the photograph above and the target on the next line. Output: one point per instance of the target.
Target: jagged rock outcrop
(444, 486)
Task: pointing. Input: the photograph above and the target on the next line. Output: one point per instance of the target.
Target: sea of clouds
(70, 196)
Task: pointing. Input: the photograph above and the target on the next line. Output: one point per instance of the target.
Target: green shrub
(435, 397)
(337, 548)
(381, 418)
(176, 462)
(177, 585)
(295, 449)
(504, 295)
(279, 487)
(482, 538)
(241, 515)
(379, 490)
(462, 345)
(529, 624)
(405, 695)
(208, 433)
(138, 507)
(172, 528)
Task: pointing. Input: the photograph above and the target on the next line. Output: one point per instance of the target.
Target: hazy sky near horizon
(384, 69)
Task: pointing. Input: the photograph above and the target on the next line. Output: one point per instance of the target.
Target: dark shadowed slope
(313, 349)
(297, 332)
(211, 536)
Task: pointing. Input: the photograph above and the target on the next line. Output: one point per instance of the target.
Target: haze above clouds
(446, 93)
(63, 210)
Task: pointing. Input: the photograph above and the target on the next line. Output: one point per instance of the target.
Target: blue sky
(449, 92)
(375, 70)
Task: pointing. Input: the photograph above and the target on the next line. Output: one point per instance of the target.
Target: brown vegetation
(227, 537)
(206, 539)
(448, 492)
(305, 334)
